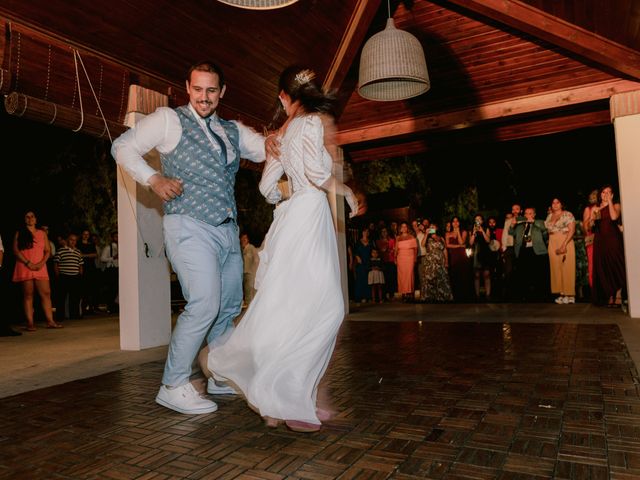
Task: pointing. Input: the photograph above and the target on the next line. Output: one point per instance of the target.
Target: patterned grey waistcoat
(208, 180)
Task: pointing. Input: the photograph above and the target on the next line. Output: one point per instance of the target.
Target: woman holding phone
(479, 241)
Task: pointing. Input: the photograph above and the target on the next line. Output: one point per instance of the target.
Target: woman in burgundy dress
(460, 265)
(609, 276)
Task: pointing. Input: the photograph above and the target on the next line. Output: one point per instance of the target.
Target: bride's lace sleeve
(269, 182)
(316, 159)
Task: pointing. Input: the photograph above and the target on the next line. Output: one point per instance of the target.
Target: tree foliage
(94, 196)
(464, 206)
(380, 176)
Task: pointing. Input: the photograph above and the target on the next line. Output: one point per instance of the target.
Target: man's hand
(166, 188)
(272, 146)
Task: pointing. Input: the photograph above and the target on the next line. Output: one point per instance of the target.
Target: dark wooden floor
(433, 400)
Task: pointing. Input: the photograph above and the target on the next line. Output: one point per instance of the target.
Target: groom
(200, 155)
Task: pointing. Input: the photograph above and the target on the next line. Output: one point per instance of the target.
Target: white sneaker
(219, 388)
(570, 299)
(561, 300)
(185, 399)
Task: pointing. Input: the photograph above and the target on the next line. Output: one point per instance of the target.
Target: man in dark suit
(530, 247)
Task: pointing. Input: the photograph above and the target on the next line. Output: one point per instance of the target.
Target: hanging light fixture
(392, 65)
(259, 4)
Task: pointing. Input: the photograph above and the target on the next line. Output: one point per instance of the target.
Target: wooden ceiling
(617, 20)
(499, 69)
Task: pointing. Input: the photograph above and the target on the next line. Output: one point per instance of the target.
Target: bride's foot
(302, 427)
(272, 422)
(324, 415)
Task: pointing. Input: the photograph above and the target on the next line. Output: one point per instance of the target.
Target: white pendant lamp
(259, 4)
(392, 66)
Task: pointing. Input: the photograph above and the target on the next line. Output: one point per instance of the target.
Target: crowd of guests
(523, 258)
(519, 258)
(71, 276)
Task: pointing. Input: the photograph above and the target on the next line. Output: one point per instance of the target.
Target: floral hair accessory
(304, 76)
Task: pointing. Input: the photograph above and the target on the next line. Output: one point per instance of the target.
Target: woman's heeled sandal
(302, 427)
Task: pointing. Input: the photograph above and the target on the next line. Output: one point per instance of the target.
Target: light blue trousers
(208, 263)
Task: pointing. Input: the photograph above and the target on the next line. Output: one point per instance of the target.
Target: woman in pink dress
(32, 250)
(406, 255)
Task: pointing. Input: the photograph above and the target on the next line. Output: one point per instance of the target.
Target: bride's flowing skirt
(280, 350)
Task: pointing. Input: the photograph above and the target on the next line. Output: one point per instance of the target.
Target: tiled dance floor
(432, 400)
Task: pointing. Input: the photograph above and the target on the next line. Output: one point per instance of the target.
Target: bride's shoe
(272, 422)
(302, 427)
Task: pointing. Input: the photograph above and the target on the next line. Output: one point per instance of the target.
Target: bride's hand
(352, 201)
(272, 146)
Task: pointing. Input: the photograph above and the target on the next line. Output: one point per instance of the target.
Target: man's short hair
(207, 66)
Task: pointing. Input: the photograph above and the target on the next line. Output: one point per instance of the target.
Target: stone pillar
(144, 293)
(625, 115)
(338, 211)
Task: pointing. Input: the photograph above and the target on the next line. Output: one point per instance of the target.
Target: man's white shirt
(162, 130)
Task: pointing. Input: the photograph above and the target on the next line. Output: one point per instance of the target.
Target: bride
(280, 350)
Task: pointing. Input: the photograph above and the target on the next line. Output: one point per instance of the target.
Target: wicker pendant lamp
(392, 66)
(259, 4)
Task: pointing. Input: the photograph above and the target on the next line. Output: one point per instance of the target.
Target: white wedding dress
(279, 351)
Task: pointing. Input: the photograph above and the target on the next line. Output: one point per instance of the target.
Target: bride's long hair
(301, 84)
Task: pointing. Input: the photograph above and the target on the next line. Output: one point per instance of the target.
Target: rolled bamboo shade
(42, 67)
(5, 81)
(392, 66)
(259, 4)
(39, 110)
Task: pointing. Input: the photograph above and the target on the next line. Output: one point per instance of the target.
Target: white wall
(627, 130)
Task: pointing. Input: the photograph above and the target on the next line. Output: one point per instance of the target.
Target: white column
(625, 114)
(144, 293)
(338, 211)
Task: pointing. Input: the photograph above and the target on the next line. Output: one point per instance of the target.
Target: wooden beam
(528, 19)
(459, 119)
(352, 39)
(488, 133)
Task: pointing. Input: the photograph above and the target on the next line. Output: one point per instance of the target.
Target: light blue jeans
(208, 263)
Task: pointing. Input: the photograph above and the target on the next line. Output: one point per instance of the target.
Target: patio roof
(499, 69)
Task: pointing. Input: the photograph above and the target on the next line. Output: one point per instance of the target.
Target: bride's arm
(269, 181)
(319, 144)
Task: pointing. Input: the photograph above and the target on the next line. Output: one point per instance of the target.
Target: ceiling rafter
(542, 25)
(465, 118)
(496, 131)
(363, 14)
